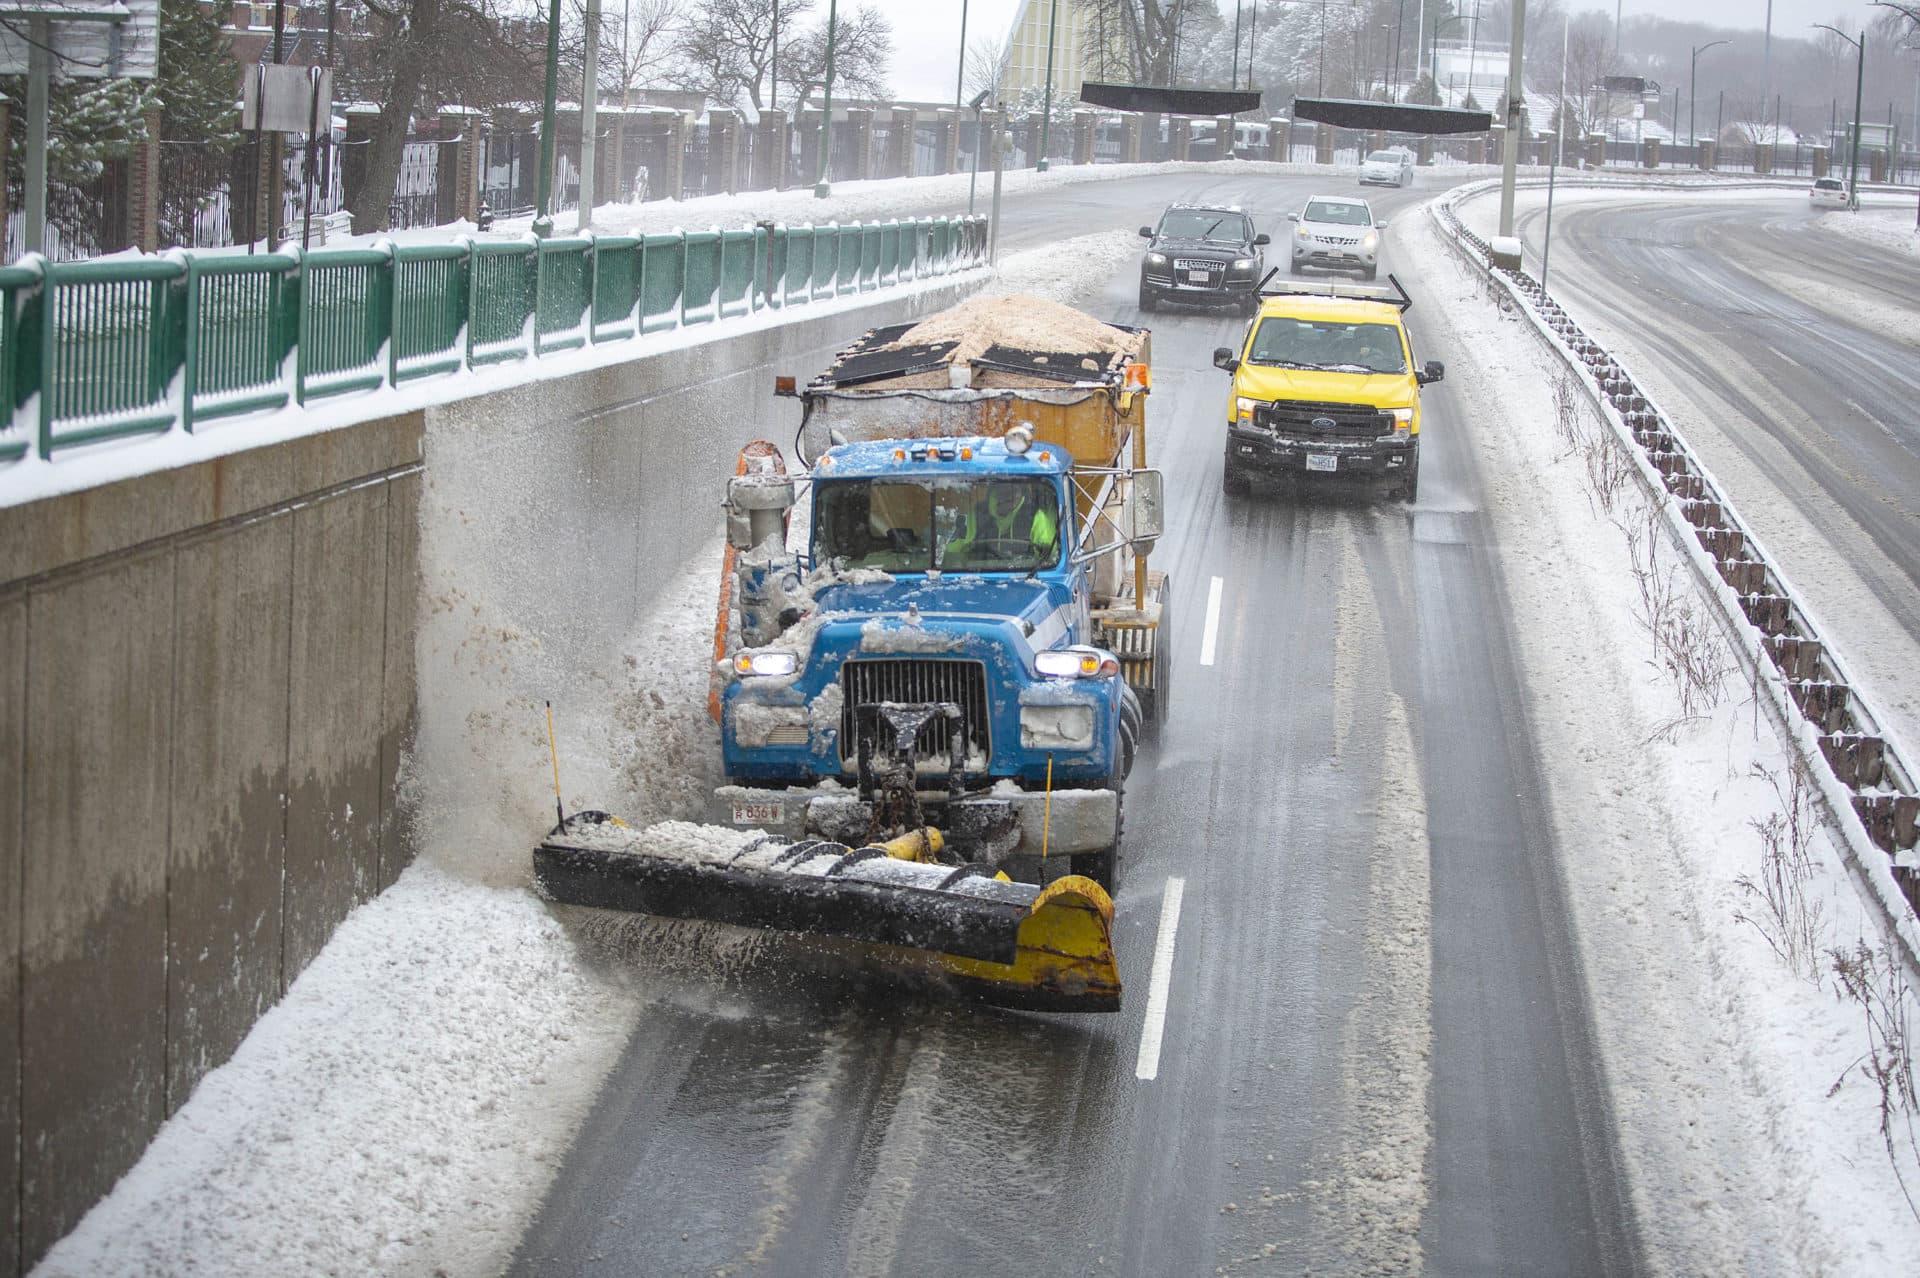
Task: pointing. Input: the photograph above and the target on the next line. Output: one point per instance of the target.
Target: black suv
(1202, 255)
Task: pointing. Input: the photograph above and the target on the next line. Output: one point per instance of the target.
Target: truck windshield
(1002, 524)
(1338, 347)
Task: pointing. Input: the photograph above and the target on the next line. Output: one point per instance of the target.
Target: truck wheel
(1131, 721)
(1411, 489)
(1103, 867)
(1147, 299)
(1234, 481)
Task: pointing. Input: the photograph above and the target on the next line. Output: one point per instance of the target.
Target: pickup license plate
(1196, 277)
(1315, 461)
(759, 811)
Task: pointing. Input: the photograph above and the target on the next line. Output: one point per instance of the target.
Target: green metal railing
(91, 351)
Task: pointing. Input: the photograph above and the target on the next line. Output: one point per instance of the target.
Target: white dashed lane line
(1148, 1066)
(1211, 636)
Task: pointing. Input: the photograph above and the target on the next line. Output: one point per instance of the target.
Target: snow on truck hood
(1377, 390)
(882, 607)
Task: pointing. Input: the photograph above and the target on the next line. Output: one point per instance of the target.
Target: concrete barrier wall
(208, 689)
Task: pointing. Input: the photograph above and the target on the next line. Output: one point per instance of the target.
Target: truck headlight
(1156, 259)
(1243, 408)
(1075, 663)
(1402, 422)
(1056, 727)
(766, 664)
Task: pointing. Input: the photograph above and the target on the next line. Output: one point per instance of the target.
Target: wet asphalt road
(1760, 316)
(1376, 1048)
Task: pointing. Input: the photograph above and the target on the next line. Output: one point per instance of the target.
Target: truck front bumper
(984, 827)
(1260, 452)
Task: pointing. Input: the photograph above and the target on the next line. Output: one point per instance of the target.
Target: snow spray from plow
(1828, 720)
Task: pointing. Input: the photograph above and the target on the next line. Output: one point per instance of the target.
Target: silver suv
(1336, 233)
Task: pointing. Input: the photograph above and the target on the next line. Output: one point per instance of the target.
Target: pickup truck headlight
(1243, 408)
(1075, 663)
(1402, 422)
(766, 664)
(1156, 259)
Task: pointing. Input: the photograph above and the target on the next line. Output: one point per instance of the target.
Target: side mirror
(1381, 225)
(1147, 512)
(1293, 217)
(1262, 238)
(1147, 231)
(1433, 372)
(1223, 359)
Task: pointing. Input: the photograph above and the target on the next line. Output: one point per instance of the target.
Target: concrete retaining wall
(207, 690)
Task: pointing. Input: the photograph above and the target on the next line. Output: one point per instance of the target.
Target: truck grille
(918, 681)
(1298, 419)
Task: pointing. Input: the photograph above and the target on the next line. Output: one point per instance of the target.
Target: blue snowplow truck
(939, 648)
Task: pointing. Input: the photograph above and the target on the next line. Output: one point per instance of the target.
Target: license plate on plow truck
(759, 811)
(1326, 462)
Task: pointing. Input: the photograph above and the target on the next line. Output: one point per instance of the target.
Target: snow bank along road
(1453, 985)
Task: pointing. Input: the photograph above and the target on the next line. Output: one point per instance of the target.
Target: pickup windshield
(1330, 345)
(1002, 524)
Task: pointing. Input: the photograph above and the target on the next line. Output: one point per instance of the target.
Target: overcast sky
(926, 33)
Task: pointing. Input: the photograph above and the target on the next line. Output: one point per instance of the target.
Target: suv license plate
(1196, 277)
(1315, 461)
(759, 811)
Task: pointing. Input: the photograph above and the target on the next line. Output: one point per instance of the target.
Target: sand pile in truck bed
(1026, 323)
(1023, 323)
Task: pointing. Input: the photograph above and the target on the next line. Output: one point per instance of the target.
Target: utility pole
(823, 188)
(543, 189)
(960, 76)
(1766, 67)
(1046, 106)
(1511, 160)
(589, 99)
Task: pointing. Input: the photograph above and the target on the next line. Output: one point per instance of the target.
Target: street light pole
(1859, 84)
(1046, 105)
(543, 192)
(960, 76)
(1433, 50)
(1693, 66)
(1510, 161)
(822, 188)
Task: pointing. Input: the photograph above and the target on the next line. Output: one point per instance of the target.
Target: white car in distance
(1827, 190)
(1391, 167)
(1336, 233)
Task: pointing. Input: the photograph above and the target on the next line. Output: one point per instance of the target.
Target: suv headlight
(1156, 259)
(1372, 241)
(1302, 232)
(1243, 264)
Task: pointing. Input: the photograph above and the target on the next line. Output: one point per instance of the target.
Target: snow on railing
(138, 346)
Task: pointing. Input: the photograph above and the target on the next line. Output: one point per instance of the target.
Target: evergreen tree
(199, 80)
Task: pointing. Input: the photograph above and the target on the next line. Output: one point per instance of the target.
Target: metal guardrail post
(190, 345)
(49, 289)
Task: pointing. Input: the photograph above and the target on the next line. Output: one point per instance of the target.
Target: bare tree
(727, 47)
(862, 47)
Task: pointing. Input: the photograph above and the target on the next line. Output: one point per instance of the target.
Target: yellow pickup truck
(1325, 384)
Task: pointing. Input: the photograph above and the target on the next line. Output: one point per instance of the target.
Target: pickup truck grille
(918, 680)
(1299, 419)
